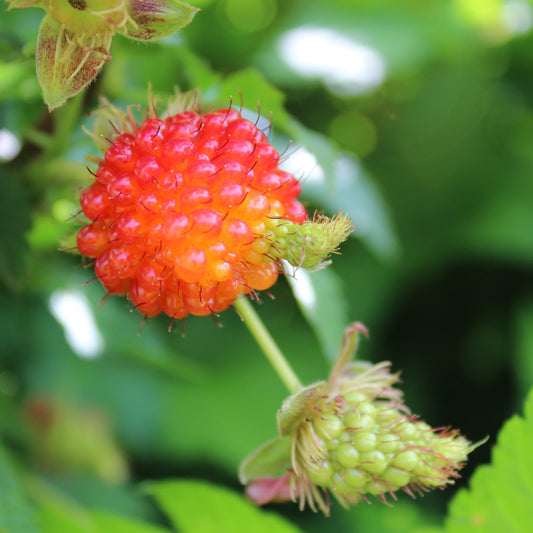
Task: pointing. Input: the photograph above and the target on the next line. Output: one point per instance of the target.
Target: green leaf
(112, 522)
(58, 511)
(198, 507)
(270, 460)
(14, 223)
(524, 357)
(16, 516)
(500, 494)
(54, 518)
(158, 18)
(322, 300)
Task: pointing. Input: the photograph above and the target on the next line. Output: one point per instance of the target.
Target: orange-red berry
(176, 208)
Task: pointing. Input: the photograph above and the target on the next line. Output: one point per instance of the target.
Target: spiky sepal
(308, 245)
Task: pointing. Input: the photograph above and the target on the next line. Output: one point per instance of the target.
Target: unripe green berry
(374, 462)
(347, 455)
(376, 488)
(328, 426)
(406, 460)
(408, 431)
(339, 484)
(396, 477)
(321, 476)
(352, 436)
(355, 397)
(333, 444)
(366, 408)
(355, 478)
(389, 444)
(365, 442)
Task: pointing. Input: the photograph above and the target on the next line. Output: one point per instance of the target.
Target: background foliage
(428, 145)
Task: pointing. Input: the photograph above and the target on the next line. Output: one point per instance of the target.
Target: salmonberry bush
(266, 266)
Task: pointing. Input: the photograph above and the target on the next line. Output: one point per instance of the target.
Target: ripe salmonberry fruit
(185, 210)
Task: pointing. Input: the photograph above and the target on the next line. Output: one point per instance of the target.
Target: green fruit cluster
(357, 445)
(352, 437)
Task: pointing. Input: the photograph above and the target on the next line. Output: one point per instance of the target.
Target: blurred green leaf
(322, 300)
(199, 507)
(14, 222)
(111, 522)
(60, 516)
(404, 516)
(16, 515)
(524, 363)
(500, 494)
(64, 516)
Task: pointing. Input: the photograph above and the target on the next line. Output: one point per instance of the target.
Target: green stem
(267, 344)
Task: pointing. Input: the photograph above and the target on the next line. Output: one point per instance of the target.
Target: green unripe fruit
(355, 478)
(333, 444)
(366, 408)
(328, 426)
(339, 484)
(355, 398)
(390, 444)
(406, 460)
(397, 477)
(353, 436)
(347, 455)
(409, 431)
(372, 447)
(376, 488)
(322, 476)
(365, 442)
(374, 462)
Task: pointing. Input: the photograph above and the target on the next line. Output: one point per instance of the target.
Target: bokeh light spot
(71, 309)
(354, 131)
(346, 66)
(9, 145)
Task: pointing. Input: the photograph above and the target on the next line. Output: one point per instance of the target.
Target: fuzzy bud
(310, 244)
(75, 37)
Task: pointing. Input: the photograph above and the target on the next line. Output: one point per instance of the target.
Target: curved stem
(267, 344)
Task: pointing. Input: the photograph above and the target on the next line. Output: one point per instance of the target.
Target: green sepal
(350, 341)
(269, 460)
(297, 406)
(66, 64)
(157, 18)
